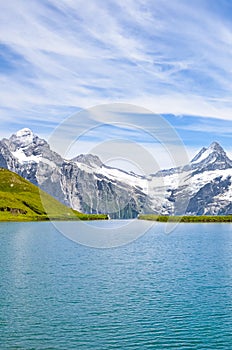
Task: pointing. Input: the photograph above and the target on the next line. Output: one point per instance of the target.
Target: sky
(172, 58)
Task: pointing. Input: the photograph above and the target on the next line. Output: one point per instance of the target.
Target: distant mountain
(22, 201)
(83, 183)
(201, 187)
(212, 158)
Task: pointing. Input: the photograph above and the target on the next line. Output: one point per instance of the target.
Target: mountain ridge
(87, 185)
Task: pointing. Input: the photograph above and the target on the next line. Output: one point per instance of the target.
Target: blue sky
(171, 57)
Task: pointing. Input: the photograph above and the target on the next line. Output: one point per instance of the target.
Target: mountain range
(202, 187)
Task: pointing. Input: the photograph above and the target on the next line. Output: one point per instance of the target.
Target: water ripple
(160, 292)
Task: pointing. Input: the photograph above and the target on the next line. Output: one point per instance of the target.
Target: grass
(186, 218)
(22, 201)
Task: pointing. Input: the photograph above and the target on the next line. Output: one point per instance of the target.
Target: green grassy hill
(22, 201)
(186, 218)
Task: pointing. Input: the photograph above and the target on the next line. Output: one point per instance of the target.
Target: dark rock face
(4, 155)
(96, 193)
(205, 197)
(205, 184)
(86, 184)
(14, 211)
(227, 210)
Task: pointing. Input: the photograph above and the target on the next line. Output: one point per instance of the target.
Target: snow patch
(204, 155)
(22, 158)
(116, 175)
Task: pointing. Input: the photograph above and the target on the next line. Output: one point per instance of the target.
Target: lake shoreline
(187, 218)
(83, 217)
(145, 217)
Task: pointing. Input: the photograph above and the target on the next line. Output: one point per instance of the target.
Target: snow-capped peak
(214, 149)
(24, 132)
(23, 137)
(28, 147)
(211, 158)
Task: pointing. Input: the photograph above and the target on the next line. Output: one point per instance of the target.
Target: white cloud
(168, 56)
(184, 104)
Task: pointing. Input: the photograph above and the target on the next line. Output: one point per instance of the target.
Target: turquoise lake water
(159, 292)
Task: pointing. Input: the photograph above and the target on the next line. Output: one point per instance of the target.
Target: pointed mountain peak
(25, 132)
(211, 158)
(215, 146)
(28, 147)
(22, 138)
(214, 149)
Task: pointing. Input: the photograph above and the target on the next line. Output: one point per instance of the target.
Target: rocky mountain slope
(22, 201)
(83, 183)
(202, 187)
(199, 188)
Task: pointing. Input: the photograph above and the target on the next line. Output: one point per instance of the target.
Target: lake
(158, 292)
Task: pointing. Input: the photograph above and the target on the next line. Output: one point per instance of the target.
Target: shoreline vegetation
(43, 218)
(186, 218)
(20, 200)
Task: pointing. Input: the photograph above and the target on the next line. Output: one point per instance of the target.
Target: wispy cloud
(169, 56)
